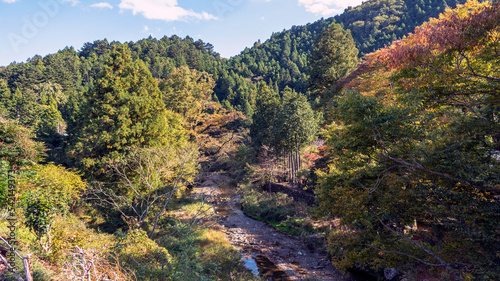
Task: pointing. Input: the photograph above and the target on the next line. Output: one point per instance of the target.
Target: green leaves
(39, 212)
(188, 92)
(123, 110)
(268, 105)
(283, 124)
(297, 123)
(412, 173)
(17, 146)
(333, 57)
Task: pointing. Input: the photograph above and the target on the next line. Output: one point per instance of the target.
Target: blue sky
(28, 28)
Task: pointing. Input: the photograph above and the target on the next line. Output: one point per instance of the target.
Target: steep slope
(282, 60)
(376, 23)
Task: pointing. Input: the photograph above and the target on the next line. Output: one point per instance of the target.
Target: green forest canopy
(412, 133)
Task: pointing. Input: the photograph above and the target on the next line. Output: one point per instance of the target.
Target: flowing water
(259, 264)
(265, 251)
(251, 264)
(269, 270)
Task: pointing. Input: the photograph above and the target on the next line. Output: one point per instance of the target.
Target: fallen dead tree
(294, 192)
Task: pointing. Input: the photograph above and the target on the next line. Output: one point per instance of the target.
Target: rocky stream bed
(268, 252)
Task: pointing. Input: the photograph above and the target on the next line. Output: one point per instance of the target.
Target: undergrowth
(187, 246)
(278, 210)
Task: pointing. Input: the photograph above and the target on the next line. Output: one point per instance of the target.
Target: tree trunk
(283, 168)
(297, 153)
(289, 167)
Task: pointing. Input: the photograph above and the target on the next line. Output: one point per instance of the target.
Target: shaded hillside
(377, 23)
(282, 60)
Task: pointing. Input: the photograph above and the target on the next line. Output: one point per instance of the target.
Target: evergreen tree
(124, 109)
(51, 126)
(5, 98)
(296, 126)
(24, 108)
(264, 121)
(333, 57)
(297, 123)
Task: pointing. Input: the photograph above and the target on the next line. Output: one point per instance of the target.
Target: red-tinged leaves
(462, 29)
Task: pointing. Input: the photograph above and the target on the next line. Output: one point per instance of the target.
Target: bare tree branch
(441, 261)
(445, 175)
(148, 176)
(179, 176)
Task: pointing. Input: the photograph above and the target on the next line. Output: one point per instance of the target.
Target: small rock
(319, 267)
(324, 263)
(390, 273)
(315, 237)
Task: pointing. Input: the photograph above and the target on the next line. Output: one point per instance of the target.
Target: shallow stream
(266, 252)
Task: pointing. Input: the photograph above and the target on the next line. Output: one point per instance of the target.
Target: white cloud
(73, 2)
(10, 1)
(102, 5)
(328, 7)
(167, 10)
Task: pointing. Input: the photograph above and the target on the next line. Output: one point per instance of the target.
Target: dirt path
(277, 254)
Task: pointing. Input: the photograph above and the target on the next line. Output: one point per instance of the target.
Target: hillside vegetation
(400, 149)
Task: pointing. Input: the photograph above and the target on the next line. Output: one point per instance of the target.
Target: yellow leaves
(463, 10)
(359, 24)
(144, 250)
(494, 35)
(55, 182)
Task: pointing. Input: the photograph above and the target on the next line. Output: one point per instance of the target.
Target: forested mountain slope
(406, 173)
(282, 60)
(374, 24)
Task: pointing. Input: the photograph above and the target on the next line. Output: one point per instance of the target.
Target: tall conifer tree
(124, 109)
(333, 57)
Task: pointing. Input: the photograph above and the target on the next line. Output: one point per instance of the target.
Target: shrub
(142, 255)
(93, 264)
(69, 232)
(272, 207)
